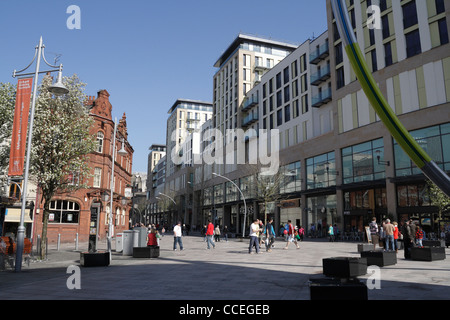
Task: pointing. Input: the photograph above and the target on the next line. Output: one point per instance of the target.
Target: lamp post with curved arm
(243, 198)
(57, 89)
(162, 194)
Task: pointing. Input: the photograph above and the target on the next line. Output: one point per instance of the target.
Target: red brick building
(71, 213)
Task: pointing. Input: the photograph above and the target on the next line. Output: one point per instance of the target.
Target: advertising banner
(20, 127)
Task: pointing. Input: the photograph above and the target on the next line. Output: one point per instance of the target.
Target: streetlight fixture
(57, 89)
(243, 198)
(121, 152)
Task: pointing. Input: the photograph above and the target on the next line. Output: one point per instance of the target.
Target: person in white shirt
(177, 237)
(254, 233)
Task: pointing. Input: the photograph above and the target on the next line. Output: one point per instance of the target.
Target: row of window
(64, 211)
(361, 162)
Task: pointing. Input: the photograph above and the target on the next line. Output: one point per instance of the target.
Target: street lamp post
(243, 198)
(122, 152)
(57, 89)
(162, 194)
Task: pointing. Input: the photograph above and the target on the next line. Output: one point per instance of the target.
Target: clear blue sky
(147, 53)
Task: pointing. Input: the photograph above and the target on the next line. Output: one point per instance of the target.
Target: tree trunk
(44, 227)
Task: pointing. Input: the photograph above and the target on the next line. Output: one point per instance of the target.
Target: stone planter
(433, 243)
(94, 259)
(344, 267)
(380, 258)
(337, 289)
(146, 252)
(366, 247)
(428, 253)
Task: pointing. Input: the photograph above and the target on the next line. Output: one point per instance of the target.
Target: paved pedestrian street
(225, 273)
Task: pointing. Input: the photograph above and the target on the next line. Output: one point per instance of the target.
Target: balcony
(323, 75)
(319, 54)
(250, 102)
(250, 119)
(322, 98)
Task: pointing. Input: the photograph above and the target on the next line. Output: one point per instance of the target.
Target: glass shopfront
(321, 213)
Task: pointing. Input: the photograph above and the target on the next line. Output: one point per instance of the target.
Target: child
(419, 236)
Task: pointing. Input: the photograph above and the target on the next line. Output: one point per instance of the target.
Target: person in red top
(396, 235)
(419, 237)
(210, 234)
(291, 236)
(152, 238)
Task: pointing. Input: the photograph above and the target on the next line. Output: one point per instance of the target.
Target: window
(340, 81)
(440, 6)
(279, 117)
(278, 80)
(434, 140)
(97, 177)
(373, 55)
(291, 180)
(409, 14)
(385, 25)
(279, 99)
(286, 94)
(360, 163)
(286, 75)
(413, 43)
(388, 54)
(339, 54)
(100, 137)
(287, 113)
(63, 211)
(321, 171)
(443, 32)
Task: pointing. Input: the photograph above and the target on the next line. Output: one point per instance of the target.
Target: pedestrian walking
(330, 233)
(270, 235)
(301, 232)
(291, 237)
(177, 237)
(209, 235)
(225, 233)
(254, 234)
(217, 234)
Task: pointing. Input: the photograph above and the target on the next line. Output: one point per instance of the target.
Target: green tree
(438, 199)
(61, 143)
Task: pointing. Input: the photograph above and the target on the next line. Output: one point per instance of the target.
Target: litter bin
(141, 237)
(130, 237)
(119, 242)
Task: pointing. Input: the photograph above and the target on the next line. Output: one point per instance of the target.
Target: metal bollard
(76, 241)
(59, 241)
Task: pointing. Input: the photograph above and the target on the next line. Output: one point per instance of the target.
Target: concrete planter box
(94, 259)
(380, 258)
(366, 247)
(428, 253)
(146, 252)
(344, 267)
(433, 243)
(337, 289)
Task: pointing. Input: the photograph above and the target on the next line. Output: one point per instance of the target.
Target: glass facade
(436, 143)
(321, 171)
(291, 178)
(360, 162)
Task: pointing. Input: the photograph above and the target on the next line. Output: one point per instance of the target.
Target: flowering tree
(61, 143)
(7, 102)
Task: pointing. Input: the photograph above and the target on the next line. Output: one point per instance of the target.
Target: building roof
(248, 38)
(179, 101)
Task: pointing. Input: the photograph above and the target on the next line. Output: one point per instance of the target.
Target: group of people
(389, 233)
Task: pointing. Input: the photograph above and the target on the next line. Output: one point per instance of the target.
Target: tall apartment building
(340, 164)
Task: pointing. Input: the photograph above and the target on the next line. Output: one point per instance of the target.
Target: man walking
(291, 237)
(270, 235)
(177, 237)
(210, 234)
(254, 233)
